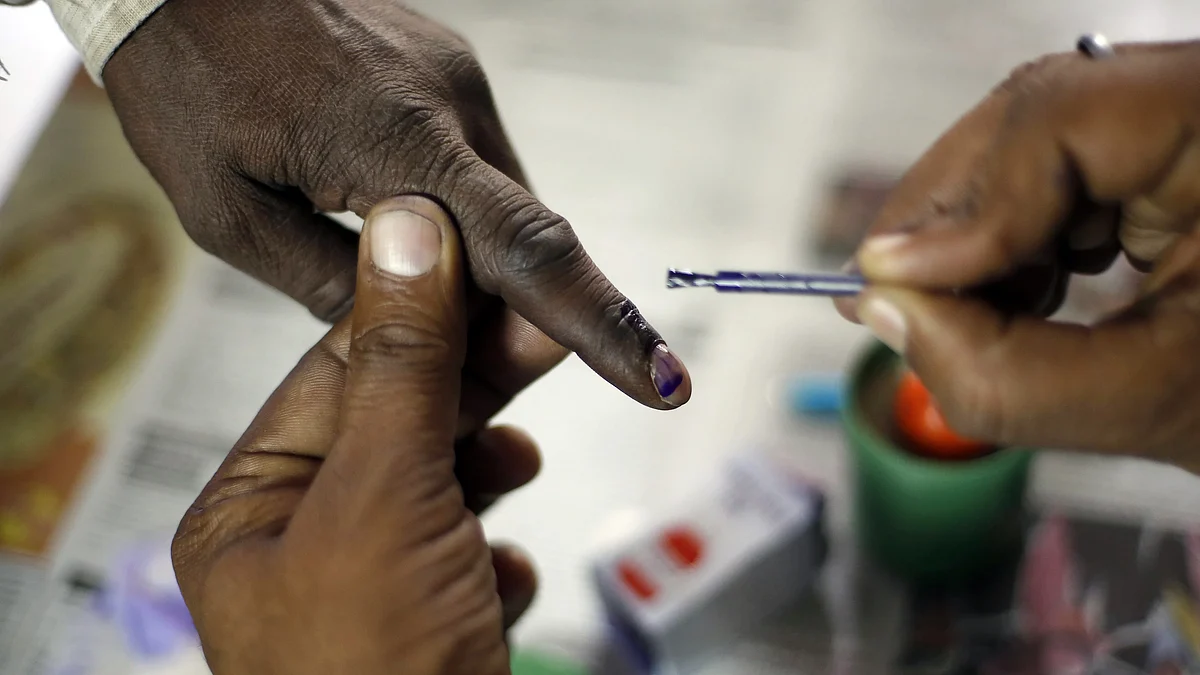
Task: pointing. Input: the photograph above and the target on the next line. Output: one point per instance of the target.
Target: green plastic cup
(925, 520)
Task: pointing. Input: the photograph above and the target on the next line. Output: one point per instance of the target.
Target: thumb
(388, 489)
(1008, 219)
(408, 341)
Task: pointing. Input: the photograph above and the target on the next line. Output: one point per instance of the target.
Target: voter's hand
(257, 117)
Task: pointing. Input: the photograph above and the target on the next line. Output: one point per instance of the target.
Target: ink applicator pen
(828, 285)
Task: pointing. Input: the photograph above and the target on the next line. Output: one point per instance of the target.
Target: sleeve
(98, 27)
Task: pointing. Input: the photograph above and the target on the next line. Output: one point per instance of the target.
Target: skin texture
(258, 117)
(340, 534)
(1068, 164)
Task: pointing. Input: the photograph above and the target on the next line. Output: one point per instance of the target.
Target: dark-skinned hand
(1068, 164)
(340, 534)
(258, 117)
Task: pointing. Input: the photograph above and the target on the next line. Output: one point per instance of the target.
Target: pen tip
(678, 278)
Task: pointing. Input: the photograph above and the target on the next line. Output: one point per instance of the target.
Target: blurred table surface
(698, 133)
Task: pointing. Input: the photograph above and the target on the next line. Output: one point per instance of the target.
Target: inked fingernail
(885, 320)
(669, 376)
(404, 243)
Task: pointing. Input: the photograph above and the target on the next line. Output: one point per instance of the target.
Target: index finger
(1071, 132)
(940, 182)
(530, 256)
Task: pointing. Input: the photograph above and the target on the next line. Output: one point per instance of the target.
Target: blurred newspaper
(117, 396)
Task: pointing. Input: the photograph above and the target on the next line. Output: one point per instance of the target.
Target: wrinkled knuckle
(466, 76)
(1028, 105)
(1033, 76)
(541, 243)
(1023, 72)
(398, 135)
(412, 344)
(211, 229)
(392, 105)
(407, 149)
(317, 162)
(212, 215)
(194, 540)
(183, 545)
(410, 119)
(447, 161)
(512, 237)
(1033, 88)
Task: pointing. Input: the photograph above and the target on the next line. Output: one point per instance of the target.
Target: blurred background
(711, 134)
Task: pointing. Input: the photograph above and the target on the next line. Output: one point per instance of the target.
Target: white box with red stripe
(740, 549)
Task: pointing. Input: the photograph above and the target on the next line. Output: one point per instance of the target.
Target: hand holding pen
(831, 285)
(1069, 164)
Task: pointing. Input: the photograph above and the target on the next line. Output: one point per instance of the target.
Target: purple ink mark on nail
(665, 370)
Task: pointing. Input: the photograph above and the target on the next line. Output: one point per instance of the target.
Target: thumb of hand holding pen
(1067, 165)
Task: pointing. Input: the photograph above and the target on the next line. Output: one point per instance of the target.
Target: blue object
(810, 396)
(830, 285)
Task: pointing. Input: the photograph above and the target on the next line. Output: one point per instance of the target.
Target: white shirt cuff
(98, 27)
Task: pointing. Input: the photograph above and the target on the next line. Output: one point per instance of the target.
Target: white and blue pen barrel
(769, 282)
(802, 284)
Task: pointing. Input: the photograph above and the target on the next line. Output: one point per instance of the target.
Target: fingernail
(884, 244)
(876, 251)
(669, 376)
(404, 243)
(885, 320)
